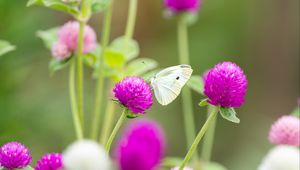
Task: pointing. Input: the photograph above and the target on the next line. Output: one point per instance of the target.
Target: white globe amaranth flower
(281, 157)
(85, 155)
(185, 168)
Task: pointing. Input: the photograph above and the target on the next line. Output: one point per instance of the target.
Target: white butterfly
(168, 83)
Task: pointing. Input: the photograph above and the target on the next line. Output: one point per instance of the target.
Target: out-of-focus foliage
(261, 36)
(5, 47)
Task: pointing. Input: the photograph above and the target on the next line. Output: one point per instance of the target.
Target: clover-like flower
(285, 131)
(185, 168)
(60, 51)
(134, 93)
(14, 155)
(281, 158)
(68, 40)
(69, 33)
(86, 155)
(178, 6)
(52, 161)
(225, 85)
(141, 147)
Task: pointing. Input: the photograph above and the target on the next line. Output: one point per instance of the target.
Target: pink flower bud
(68, 34)
(285, 131)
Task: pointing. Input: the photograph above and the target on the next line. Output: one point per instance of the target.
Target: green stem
(198, 138)
(85, 14)
(183, 41)
(107, 126)
(208, 138)
(131, 19)
(80, 72)
(128, 35)
(75, 114)
(187, 102)
(100, 80)
(116, 129)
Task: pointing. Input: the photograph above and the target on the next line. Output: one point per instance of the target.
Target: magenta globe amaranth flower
(52, 161)
(134, 93)
(14, 155)
(285, 131)
(141, 147)
(226, 85)
(178, 6)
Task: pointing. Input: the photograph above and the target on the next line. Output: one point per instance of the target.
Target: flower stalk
(116, 129)
(100, 80)
(187, 103)
(107, 124)
(198, 138)
(109, 116)
(208, 140)
(80, 72)
(131, 20)
(74, 108)
(85, 14)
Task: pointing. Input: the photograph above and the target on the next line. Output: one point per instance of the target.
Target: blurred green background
(262, 36)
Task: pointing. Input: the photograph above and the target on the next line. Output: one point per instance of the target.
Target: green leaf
(73, 3)
(203, 103)
(114, 59)
(132, 115)
(130, 49)
(296, 112)
(91, 58)
(100, 5)
(196, 84)
(115, 74)
(140, 66)
(213, 166)
(229, 114)
(57, 5)
(49, 37)
(5, 47)
(56, 65)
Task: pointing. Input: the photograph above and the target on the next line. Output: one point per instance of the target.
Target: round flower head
(141, 147)
(60, 51)
(14, 155)
(68, 34)
(286, 131)
(178, 6)
(225, 85)
(186, 168)
(134, 93)
(51, 161)
(85, 155)
(281, 158)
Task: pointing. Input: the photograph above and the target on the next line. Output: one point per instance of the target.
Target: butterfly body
(168, 83)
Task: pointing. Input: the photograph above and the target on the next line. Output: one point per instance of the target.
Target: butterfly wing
(168, 83)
